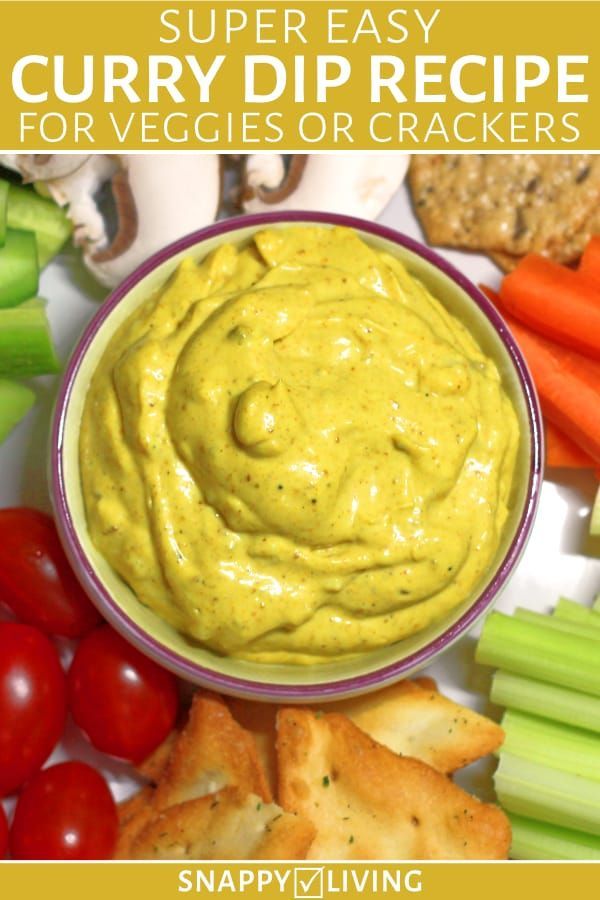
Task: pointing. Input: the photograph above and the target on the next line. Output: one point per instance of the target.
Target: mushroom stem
(359, 184)
(43, 166)
(158, 198)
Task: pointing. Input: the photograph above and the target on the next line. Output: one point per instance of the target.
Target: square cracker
(507, 203)
(368, 803)
(224, 825)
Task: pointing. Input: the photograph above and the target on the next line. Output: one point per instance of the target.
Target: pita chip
(413, 720)
(211, 752)
(224, 825)
(368, 803)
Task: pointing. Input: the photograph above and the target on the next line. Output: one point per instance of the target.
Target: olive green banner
(246, 76)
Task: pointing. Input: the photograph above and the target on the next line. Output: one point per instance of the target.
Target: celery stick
(541, 792)
(596, 603)
(539, 840)
(525, 649)
(595, 517)
(564, 625)
(18, 268)
(26, 347)
(3, 208)
(15, 402)
(28, 211)
(569, 611)
(552, 744)
(548, 700)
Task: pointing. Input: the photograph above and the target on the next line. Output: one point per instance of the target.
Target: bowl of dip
(295, 456)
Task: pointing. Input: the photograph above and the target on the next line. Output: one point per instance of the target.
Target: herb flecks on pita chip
(134, 814)
(414, 721)
(368, 803)
(224, 825)
(211, 752)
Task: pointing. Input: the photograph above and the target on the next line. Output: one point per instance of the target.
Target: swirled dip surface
(293, 451)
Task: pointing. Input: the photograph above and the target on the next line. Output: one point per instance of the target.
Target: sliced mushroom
(43, 166)
(158, 198)
(357, 184)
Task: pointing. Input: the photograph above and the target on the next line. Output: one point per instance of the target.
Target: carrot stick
(589, 265)
(556, 302)
(562, 452)
(568, 384)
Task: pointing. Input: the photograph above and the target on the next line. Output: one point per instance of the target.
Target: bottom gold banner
(303, 881)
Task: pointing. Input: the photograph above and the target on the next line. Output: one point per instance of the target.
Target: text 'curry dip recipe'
(293, 453)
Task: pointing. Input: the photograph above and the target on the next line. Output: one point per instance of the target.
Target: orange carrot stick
(589, 265)
(568, 384)
(562, 452)
(556, 302)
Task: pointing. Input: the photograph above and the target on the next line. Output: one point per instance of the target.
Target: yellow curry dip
(293, 452)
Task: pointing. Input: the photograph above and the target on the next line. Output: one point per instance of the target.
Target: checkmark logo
(308, 883)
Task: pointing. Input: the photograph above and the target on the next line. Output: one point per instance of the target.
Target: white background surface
(560, 558)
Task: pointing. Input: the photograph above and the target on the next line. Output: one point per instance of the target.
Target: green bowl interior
(458, 303)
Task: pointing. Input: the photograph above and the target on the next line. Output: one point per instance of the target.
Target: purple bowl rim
(196, 672)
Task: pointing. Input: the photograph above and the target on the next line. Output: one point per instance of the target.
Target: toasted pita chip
(425, 682)
(367, 803)
(129, 808)
(134, 814)
(211, 752)
(224, 825)
(422, 723)
(259, 719)
(153, 766)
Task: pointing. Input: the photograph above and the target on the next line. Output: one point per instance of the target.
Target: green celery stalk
(536, 652)
(596, 603)
(548, 700)
(3, 210)
(26, 347)
(539, 840)
(552, 744)
(570, 611)
(15, 402)
(541, 792)
(30, 212)
(18, 268)
(564, 625)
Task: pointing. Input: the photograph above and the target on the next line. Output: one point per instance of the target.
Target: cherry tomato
(33, 703)
(3, 833)
(124, 702)
(36, 581)
(65, 812)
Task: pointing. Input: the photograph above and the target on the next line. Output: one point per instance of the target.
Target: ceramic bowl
(290, 683)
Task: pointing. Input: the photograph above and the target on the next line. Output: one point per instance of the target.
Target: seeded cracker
(508, 204)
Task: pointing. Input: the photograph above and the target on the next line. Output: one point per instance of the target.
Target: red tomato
(3, 833)
(65, 812)
(124, 702)
(33, 703)
(36, 581)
